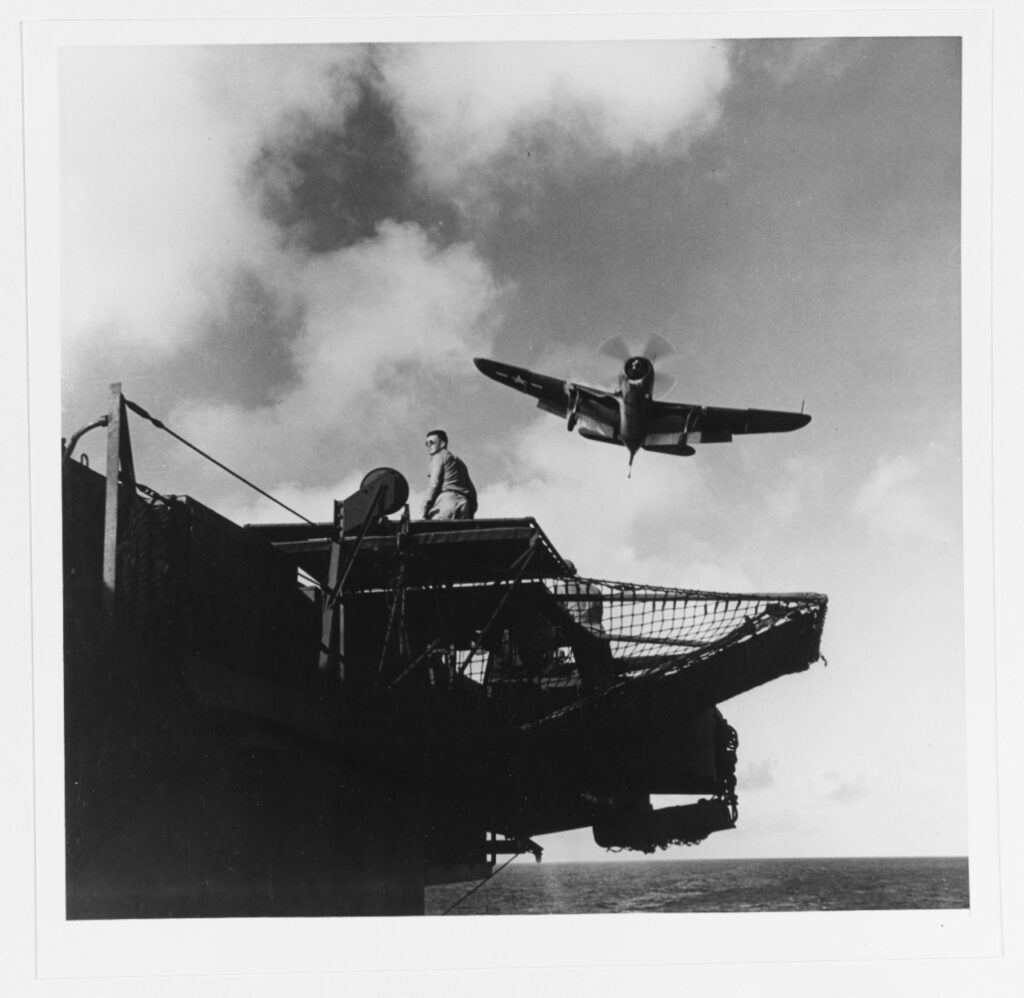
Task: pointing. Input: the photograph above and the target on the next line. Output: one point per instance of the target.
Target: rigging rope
(452, 907)
(523, 562)
(162, 426)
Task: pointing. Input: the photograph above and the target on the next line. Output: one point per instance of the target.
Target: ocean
(528, 888)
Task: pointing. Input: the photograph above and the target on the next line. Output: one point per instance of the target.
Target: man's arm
(435, 476)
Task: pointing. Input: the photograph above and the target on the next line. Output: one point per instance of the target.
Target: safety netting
(658, 630)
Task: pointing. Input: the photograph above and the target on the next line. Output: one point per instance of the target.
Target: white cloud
(465, 102)
(249, 87)
(895, 500)
(152, 208)
(155, 146)
(843, 788)
(757, 776)
(158, 223)
(647, 529)
(802, 483)
(391, 304)
(316, 504)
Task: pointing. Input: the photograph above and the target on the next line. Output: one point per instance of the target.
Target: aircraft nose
(637, 368)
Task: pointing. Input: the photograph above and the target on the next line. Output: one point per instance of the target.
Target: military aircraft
(630, 415)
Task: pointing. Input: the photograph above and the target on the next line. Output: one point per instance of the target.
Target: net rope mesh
(655, 630)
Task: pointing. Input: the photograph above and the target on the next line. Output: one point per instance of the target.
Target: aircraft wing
(717, 425)
(553, 394)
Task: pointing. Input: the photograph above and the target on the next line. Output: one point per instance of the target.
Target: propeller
(615, 348)
(655, 348)
(663, 384)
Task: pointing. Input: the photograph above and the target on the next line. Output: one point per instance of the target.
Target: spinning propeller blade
(616, 348)
(663, 384)
(657, 348)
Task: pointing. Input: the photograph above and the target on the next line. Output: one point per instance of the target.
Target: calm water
(528, 888)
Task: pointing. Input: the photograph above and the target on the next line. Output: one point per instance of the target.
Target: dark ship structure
(325, 718)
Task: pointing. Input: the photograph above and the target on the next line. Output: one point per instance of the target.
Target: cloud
(895, 502)
(802, 484)
(785, 61)
(383, 323)
(292, 207)
(315, 504)
(843, 788)
(152, 210)
(329, 183)
(158, 146)
(432, 133)
(465, 104)
(757, 775)
(651, 528)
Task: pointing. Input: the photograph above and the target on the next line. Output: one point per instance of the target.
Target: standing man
(451, 494)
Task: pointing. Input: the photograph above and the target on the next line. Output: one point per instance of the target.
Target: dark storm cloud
(328, 185)
(615, 237)
(243, 355)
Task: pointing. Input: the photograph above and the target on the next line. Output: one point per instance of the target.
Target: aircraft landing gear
(573, 410)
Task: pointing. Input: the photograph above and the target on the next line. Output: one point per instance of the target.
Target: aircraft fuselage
(636, 385)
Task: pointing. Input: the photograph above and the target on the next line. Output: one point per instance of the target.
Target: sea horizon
(642, 858)
(701, 884)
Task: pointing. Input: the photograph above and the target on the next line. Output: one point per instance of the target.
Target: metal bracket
(333, 610)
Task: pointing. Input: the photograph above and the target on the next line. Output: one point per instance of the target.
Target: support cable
(429, 650)
(469, 893)
(397, 605)
(523, 562)
(162, 426)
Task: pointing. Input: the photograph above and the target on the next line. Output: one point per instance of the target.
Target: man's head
(436, 440)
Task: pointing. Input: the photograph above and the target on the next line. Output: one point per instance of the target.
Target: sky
(291, 254)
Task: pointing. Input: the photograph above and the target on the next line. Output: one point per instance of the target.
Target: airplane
(632, 416)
